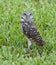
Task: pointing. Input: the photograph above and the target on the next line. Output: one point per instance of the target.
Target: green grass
(12, 40)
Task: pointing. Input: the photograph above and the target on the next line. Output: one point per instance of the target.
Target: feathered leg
(29, 44)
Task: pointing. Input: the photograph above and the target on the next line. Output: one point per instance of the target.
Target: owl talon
(27, 50)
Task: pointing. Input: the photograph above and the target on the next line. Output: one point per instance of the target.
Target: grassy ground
(12, 40)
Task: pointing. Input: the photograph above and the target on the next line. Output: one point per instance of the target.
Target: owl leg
(29, 43)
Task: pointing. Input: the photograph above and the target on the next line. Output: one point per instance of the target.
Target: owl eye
(24, 13)
(30, 14)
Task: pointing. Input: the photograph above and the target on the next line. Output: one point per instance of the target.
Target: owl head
(26, 16)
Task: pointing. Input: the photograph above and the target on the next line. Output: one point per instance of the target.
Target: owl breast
(29, 30)
(25, 28)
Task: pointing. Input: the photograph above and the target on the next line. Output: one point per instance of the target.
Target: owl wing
(34, 34)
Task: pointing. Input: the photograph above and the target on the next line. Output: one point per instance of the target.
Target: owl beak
(27, 17)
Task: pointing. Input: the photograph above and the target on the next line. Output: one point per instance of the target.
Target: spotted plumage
(29, 28)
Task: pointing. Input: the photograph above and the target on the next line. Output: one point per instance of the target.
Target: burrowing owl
(30, 30)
